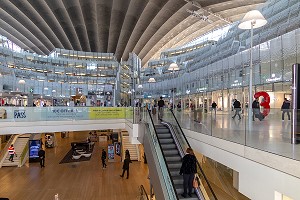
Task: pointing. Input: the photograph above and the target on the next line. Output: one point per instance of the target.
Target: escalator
(173, 158)
(165, 145)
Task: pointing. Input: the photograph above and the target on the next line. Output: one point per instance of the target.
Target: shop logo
(19, 114)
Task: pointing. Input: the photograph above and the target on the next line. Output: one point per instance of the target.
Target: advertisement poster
(111, 152)
(118, 148)
(107, 113)
(65, 113)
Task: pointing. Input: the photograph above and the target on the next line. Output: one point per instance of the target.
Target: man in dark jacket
(285, 108)
(161, 104)
(188, 170)
(41, 154)
(126, 167)
(255, 109)
(103, 158)
(237, 108)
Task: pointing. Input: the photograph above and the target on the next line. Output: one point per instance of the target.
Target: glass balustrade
(31, 114)
(270, 133)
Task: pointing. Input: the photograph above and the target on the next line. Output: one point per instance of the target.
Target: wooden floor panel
(72, 181)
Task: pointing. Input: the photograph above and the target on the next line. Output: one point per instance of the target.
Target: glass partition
(31, 114)
(271, 133)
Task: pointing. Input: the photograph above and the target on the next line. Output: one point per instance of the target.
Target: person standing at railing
(12, 153)
(285, 108)
(161, 105)
(188, 170)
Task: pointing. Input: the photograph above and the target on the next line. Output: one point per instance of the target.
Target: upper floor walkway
(272, 135)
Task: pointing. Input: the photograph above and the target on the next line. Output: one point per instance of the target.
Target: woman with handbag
(188, 170)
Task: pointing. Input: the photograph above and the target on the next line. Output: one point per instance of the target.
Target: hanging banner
(111, 152)
(65, 113)
(107, 113)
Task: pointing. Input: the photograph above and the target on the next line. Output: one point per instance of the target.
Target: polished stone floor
(271, 134)
(72, 181)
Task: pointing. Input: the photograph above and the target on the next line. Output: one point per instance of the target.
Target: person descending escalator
(188, 170)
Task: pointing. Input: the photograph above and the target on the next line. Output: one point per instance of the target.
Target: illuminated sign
(273, 78)
(236, 84)
(201, 89)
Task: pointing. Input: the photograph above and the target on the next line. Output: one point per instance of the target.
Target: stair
(173, 158)
(133, 149)
(19, 146)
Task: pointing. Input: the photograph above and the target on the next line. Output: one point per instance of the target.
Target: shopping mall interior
(88, 88)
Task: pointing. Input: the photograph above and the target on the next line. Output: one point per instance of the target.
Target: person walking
(285, 108)
(161, 105)
(188, 170)
(214, 108)
(103, 159)
(41, 155)
(127, 154)
(126, 167)
(237, 108)
(12, 153)
(255, 109)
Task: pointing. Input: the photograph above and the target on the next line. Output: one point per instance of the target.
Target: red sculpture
(265, 102)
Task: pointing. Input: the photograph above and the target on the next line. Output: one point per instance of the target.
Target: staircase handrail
(143, 192)
(198, 164)
(169, 173)
(23, 154)
(4, 152)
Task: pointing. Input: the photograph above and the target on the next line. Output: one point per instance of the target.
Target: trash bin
(198, 115)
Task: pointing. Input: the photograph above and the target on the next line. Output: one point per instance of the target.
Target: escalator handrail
(144, 191)
(180, 149)
(197, 160)
(169, 173)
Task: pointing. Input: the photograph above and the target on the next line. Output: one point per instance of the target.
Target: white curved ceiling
(144, 27)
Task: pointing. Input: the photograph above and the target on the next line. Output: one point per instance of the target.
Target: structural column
(295, 138)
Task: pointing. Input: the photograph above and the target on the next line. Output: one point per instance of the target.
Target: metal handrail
(169, 173)
(198, 164)
(23, 154)
(143, 192)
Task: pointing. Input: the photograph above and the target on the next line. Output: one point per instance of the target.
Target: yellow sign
(107, 113)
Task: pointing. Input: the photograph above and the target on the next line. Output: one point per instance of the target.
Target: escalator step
(168, 146)
(162, 131)
(171, 152)
(165, 136)
(173, 165)
(173, 158)
(166, 141)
